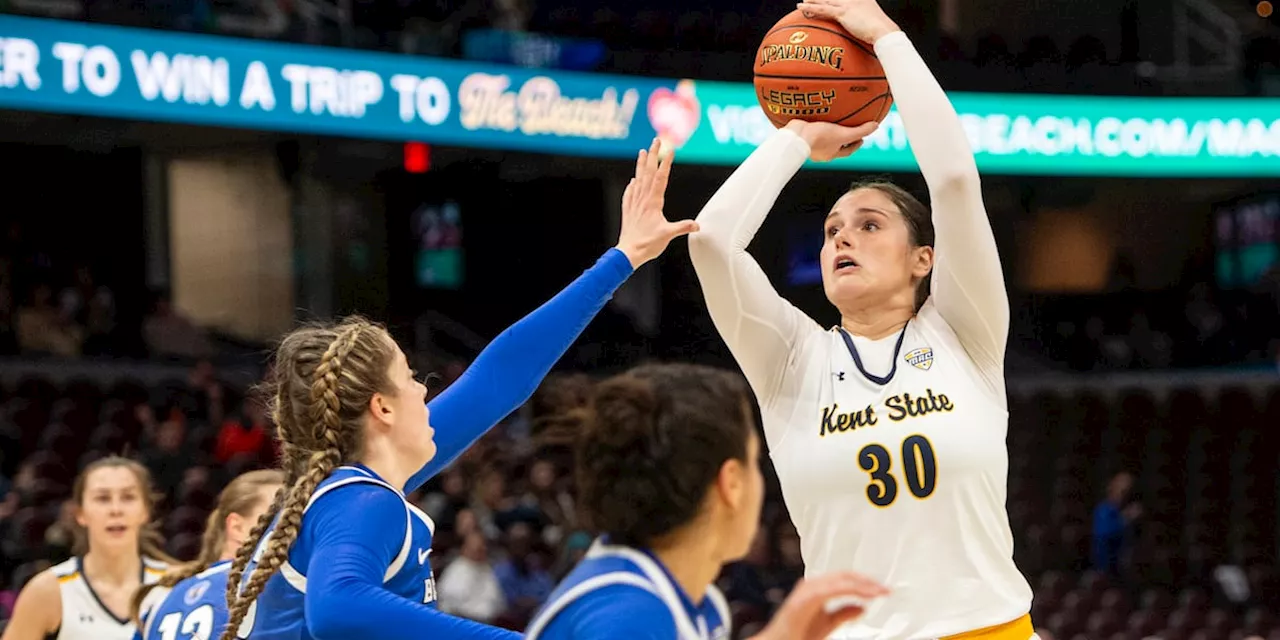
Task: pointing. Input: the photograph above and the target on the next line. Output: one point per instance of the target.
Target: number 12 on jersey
(918, 462)
(197, 625)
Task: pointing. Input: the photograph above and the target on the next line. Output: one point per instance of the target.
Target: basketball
(811, 69)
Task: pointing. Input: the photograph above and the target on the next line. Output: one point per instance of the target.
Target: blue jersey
(279, 612)
(194, 609)
(358, 569)
(619, 591)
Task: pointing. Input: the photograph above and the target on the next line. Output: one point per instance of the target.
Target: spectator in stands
(169, 333)
(525, 581)
(93, 307)
(44, 328)
(245, 435)
(1112, 520)
(450, 498)
(469, 586)
(167, 456)
(549, 501)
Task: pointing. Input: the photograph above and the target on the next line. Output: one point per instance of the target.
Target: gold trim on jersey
(1020, 629)
(69, 577)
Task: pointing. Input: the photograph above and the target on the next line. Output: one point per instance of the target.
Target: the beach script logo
(486, 101)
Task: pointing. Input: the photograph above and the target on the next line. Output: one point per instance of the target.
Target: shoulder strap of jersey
(718, 601)
(298, 580)
(685, 628)
(581, 589)
(150, 604)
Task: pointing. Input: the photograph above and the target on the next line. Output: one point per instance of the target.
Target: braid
(282, 418)
(245, 552)
(323, 413)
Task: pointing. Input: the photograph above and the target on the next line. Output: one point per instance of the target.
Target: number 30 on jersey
(919, 465)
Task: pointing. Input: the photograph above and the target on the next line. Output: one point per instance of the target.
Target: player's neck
(692, 559)
(388, 465)
(878, 322)
(112, 568)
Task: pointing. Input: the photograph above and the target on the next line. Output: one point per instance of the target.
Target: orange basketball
(811, 69)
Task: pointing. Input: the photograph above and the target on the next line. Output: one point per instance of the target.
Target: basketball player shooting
(888, 431)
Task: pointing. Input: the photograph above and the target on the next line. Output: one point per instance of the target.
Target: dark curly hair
(650, 444)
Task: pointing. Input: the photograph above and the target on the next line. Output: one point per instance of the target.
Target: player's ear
(234, 526)
(921, 261)
(731, 482)
(381, 408)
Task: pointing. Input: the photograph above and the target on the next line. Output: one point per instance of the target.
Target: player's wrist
(634, 254)
(882, 29)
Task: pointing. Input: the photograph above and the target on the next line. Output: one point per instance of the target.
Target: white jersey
(84, 617)
(891, 453)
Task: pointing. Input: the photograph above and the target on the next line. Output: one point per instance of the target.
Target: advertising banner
(1033, 134)
(76, 68)
(69, 67)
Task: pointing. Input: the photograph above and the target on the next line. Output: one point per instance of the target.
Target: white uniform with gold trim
(891, 452)
(904, 481)
(84, 617)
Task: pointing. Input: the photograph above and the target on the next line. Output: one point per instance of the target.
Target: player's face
(240, 525)
(866, 252)
(411, 430)
(113, 509)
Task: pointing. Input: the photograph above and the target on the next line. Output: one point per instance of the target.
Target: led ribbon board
(76, 68)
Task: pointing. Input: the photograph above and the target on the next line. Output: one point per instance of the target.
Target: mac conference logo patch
(921, 358)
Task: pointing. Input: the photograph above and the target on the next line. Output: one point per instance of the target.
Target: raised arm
(968, 284)
(508, 371)
(759, 326)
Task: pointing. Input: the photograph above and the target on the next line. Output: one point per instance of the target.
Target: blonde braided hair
(240, 496)
(325, 378)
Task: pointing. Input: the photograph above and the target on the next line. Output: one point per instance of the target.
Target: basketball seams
(775, 76)
(838, 33)
(870, 102)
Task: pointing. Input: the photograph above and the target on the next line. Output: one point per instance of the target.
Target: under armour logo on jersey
(839, 376)
(921, 358)
(86, 618)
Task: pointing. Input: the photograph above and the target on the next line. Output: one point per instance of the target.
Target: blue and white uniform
(377, 509)
(619, 591)
(358, 569)
(194, 609)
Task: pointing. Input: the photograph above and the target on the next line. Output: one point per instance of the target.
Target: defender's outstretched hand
(818, 606)
(863, 19)
(646, 232)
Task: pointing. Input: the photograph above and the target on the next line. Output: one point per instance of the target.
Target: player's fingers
(682, 228)
(848, 149)
(848, 585)
(663, 174)
(643, 173)
(820, 10)
(841, 616)
(655, 154)
(629, 195)
(854, 134)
